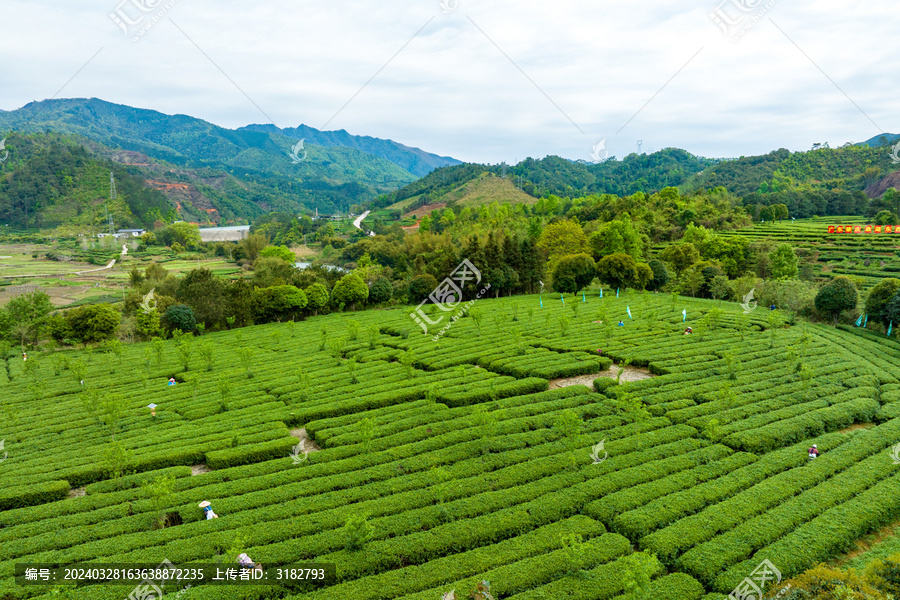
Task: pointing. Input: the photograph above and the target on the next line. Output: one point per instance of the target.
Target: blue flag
(601, 292)
(583, 299)
(866, 322)
(617, 292)
(542, 301)
(859, 321)
(563, 300)
(890, 328)
(683, 315)
(628, 310)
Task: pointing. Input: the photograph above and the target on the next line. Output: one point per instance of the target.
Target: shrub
(93, 323)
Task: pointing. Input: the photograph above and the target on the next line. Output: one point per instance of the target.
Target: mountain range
(60, 153)
(215, 174)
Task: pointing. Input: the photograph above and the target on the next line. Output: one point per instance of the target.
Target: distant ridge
(414, 160)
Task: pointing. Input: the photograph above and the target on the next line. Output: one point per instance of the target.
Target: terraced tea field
(869, 256)
(463, 464)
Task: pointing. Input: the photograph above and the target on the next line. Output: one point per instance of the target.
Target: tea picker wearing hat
(207, 510)
(813, 452)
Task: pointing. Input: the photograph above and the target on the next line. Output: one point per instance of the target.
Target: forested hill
(47, 180)
(820, 182)
(416, 161)
(331, 177)
(51, 180)
(562, 177)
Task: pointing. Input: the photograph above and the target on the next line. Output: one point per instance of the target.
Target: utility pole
(112, 196)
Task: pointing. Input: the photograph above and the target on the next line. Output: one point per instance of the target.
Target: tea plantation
(449, 461)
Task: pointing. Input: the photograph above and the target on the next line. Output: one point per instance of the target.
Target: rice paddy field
(418, 464)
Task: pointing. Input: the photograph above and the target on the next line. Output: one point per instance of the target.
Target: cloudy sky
(480, 81)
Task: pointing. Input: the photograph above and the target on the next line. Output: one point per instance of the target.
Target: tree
(892, 310)
(836, 296)
(317, 297)
(681, 256)
(381, 290)
(204, 291)
(180, 316)
(573, 273)
(350, 290)
(731, 253)
(643, 275)
(94, 322)
(617, 237)
(561, 239)
(185, 234)
(879, 296)
(720, 287)
(282, 252)
(885, 217)
(660, 275)
(618, 270)
(277, 303)
(250, 247)
(421, 286)
(784, 262)
(26, 313)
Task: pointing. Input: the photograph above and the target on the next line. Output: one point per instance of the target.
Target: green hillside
(51, 180)
(191, 143)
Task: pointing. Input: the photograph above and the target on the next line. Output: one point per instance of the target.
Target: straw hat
(204, 504)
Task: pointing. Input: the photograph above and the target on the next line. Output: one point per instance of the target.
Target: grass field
(71, 283)
(458, 460)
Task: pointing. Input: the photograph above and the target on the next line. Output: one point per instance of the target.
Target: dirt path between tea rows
(630, 374)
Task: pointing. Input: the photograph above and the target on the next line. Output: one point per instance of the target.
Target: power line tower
(640, 142)
(112, 196)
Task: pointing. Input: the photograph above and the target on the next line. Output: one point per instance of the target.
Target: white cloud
(453, 92)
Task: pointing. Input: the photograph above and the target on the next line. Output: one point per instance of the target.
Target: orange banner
(878, 229)
(887, 228)
(868, 229)
(831, 229)
(857, 229)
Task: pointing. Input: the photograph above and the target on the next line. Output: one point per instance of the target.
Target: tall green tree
(838, 295)
(784, 262)
(879, 296)
(25, 316)
(94, 322)
(317, 297)
(617, 237)
(350, 291)
(573, 273)
(562, 239)
(618, 270)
